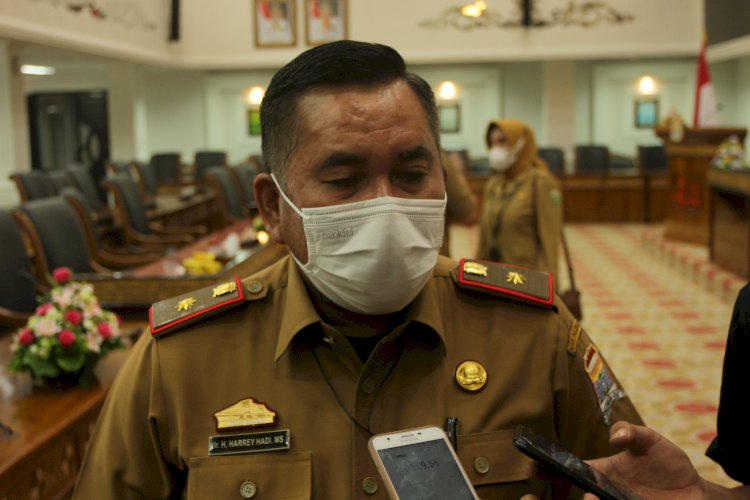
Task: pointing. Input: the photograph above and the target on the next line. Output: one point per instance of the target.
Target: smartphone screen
(576, 470)
(425, 468)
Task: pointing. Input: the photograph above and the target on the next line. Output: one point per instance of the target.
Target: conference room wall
(165, 109)
(7, 147)
(615, 92)
(137, 31)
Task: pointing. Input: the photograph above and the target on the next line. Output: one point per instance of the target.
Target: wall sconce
(449, 111)
(447, 91)
(253, 98)
(647, 85)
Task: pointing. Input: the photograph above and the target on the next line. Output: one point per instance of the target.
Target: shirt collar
(299, 312)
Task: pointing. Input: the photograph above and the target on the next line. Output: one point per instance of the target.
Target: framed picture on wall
(646, 113)
(325, 21)
(449, 116)
(275, 23)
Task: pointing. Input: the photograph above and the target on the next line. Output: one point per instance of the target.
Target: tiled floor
(659, 311)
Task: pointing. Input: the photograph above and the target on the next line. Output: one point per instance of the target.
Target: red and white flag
(706, 112)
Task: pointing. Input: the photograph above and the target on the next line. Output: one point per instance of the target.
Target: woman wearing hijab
(522, 211)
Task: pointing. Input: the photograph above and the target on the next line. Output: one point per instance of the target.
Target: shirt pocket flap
(491, 458)
(268, 475)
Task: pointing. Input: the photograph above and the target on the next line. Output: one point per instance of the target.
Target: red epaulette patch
(503, 280)
(175, 313)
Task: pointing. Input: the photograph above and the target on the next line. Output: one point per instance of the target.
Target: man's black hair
(335, 64)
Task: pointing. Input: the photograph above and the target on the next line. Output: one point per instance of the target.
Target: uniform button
(248, 489)
(255, 287)
(368, 386)
(481, 465)
(370, 485)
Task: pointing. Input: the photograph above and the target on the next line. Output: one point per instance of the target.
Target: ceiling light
(32, 69)
(475, 9)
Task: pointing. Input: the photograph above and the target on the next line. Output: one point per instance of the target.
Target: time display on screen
(425, 470)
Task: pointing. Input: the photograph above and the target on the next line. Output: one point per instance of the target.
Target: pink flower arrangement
(68, 333)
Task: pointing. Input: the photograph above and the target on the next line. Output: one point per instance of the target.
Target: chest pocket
(496, 469)
(265, 476)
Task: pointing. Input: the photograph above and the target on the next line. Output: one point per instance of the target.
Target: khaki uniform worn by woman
(152, 438)
(522, 210)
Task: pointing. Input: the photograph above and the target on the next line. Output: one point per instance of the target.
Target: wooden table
(157, 281)
(729, 220)
(173, 210)
(49, 431)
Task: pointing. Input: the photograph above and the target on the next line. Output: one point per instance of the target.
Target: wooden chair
(56, 236)
(147, 178)
(244, 174)
(18, 289)
(85, 183)
(205, 160)
(33, 185)
(60, 179)
(652, 159)
(554, 158)
(111, 258)
(257, 160)
(592, 159)
(168, 167)
(133, 216)
(224, 185)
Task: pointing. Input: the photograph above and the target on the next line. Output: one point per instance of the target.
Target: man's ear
(269, 205)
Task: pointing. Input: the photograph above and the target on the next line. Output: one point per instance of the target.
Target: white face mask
(501, 158)
(372, 256)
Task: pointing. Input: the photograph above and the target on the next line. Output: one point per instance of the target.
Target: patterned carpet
(659, 311)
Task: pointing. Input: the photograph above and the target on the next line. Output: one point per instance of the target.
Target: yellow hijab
(514, 130)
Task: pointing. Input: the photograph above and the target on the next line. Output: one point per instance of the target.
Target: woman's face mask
(501, 158)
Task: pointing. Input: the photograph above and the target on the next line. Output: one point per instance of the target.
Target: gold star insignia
(515, 278)
(185, 304)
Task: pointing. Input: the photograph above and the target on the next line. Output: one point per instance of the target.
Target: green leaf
(41, 367)
(71, 363)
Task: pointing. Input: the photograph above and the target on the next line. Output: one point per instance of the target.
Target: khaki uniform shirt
(151, 440)
(462, 204)
(521, 220)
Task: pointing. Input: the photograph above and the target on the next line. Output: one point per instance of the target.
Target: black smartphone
(545, 451)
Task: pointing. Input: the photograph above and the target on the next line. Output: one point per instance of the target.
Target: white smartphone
(420, 464)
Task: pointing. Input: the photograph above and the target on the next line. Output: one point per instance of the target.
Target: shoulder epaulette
(503, 280)
(172, 314)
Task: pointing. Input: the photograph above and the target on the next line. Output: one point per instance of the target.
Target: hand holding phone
(568, 465)
(420, 463)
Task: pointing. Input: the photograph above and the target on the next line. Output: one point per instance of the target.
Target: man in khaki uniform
(522, 210)
(280, 379)
(462, 205)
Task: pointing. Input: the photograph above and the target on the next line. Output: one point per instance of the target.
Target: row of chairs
(593, 159)
(597, 159)
(35, 185)
(169, 166)
(60, 233)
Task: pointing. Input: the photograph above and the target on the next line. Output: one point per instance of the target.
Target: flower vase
(84, 377)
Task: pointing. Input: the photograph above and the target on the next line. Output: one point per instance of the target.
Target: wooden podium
(688, 162)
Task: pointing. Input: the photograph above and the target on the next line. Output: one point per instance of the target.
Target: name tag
(255, 442)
